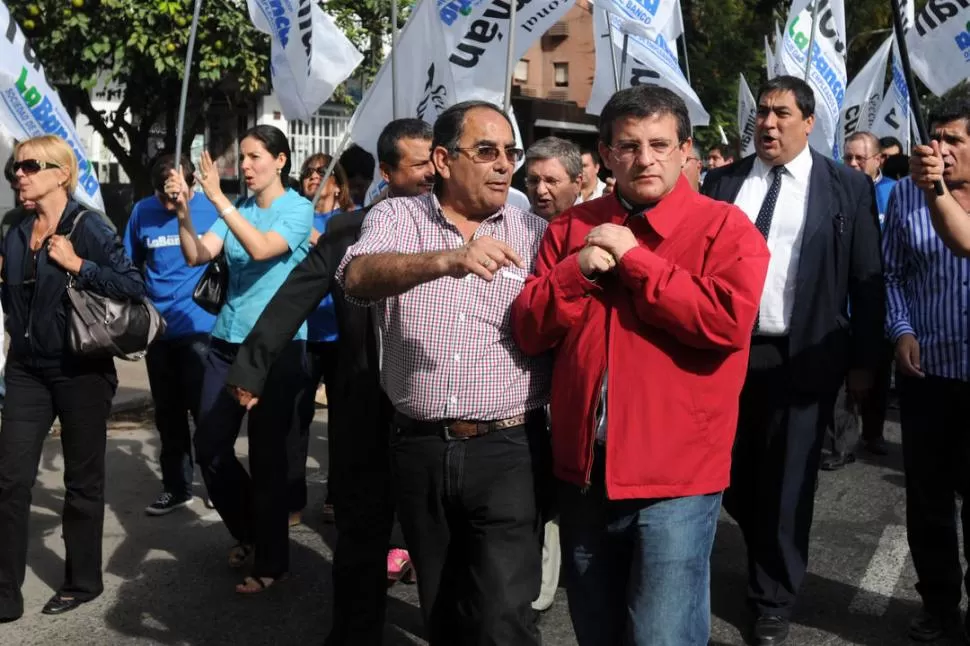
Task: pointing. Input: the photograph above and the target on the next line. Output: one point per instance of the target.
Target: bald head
(862, 152)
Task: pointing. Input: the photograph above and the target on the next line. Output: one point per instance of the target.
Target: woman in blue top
(321, 332)
(263, 239)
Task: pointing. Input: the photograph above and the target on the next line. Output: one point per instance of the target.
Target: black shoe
(166, 503)
(770, 630)
(876, 446)
(837, 460)
(929, 627)
(58, 605)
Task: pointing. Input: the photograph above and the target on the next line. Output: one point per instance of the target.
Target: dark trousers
(469, 514)
(321, 366)
(363, 510)
(252, 505)
(80, 396)
(175, 369)
(936, 459)
(773, 472)
(873, 409)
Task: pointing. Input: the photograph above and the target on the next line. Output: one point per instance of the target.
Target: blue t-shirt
(322, 324)
(883, 188)
(252, 283)
(152, 242)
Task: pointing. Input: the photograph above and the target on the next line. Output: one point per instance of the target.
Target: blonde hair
(52, 148)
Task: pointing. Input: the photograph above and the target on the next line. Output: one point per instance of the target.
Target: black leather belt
(458, 429)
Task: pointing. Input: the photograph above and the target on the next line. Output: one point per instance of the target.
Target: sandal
(256, 584)
(238, 554)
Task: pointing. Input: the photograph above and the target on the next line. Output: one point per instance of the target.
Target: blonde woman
(44, 380)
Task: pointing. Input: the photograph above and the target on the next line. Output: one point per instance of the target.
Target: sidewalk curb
(136, 403)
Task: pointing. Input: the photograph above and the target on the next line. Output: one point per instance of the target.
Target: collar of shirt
(878, 178)
(435, 206)
(800, 168)
(666, 213)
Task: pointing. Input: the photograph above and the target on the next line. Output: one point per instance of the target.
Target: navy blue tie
(763, 223)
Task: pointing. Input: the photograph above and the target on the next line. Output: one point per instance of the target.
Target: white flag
(779, 47)
(310, 56)
(769, 60)
(939, 46)
(894, 116)
(30, 108)
(747, 114)
(674, 29)
(864, 95)
(828, 75)
(649, 60)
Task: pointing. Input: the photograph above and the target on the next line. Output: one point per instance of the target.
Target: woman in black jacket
(44, 380)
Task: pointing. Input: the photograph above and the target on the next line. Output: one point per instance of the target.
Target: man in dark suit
(359, 430)
(821, 225)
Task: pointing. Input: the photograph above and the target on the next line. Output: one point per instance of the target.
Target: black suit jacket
(839, 310)
(358, 375)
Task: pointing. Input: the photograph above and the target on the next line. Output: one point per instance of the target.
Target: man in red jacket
(646, 298)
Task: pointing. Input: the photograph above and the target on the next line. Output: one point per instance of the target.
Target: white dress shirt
(597, 192)
(784, 236)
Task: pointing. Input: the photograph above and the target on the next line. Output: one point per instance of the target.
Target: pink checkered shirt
(447, 348)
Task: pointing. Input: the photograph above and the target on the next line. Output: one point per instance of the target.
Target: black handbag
(99, 326)
(210, 291)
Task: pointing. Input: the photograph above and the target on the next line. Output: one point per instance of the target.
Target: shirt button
(461, 317)
(453, 399)
(457, 357)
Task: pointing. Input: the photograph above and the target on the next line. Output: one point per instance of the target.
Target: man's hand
(595, 260)
(907, 356)
(244, 397)
(858, 384)
(483, 257)
(614, 238)
(926, 166)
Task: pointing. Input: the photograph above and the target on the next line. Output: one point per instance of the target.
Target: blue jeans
(637, 571)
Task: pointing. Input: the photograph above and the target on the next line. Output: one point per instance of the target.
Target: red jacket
(672, 327)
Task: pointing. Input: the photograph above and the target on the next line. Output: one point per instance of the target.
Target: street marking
(877, 586)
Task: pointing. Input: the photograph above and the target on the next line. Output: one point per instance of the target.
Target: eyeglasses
(486, 154)
(848, 159)
(629, 150)
(32, 166)
(319, 170)
(533, 180)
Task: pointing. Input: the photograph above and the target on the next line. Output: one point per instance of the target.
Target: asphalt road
(167, 582)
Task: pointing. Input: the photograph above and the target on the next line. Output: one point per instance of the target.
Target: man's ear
(441, 159)
(385, 171)
(604, 152)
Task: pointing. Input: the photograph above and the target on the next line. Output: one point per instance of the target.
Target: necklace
(36, 244)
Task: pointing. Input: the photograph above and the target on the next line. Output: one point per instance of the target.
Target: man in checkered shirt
(469, 454)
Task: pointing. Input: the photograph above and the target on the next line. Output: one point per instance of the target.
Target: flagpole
(510, 60)
(394, 111)
(616, 72)
(915, 109)
(811, 43)
(186, 73)
(623, 57)
(683, 40)
(333, 162)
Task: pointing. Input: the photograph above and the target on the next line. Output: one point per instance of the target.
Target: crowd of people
(578, 385)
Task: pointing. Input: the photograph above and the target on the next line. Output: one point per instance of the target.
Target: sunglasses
(319, 170)
(33, 166)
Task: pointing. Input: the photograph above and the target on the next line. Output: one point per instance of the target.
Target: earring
(279, 171)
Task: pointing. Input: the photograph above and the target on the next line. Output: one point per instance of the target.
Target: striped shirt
(926, 286)
(447, 348)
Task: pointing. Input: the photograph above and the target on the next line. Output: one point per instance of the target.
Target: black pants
(936, 459)
(175, 369)
(873, 409)
(321, 366)
(252, 505)
(363, 507)
(470, 517)
(773, 472)
(80, 396)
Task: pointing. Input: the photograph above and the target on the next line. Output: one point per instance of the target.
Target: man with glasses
(694, 168)
(469, 443)
(553, 176)
(862, 152)
(646, 300)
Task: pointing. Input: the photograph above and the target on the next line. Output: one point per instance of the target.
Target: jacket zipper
(599, 399)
